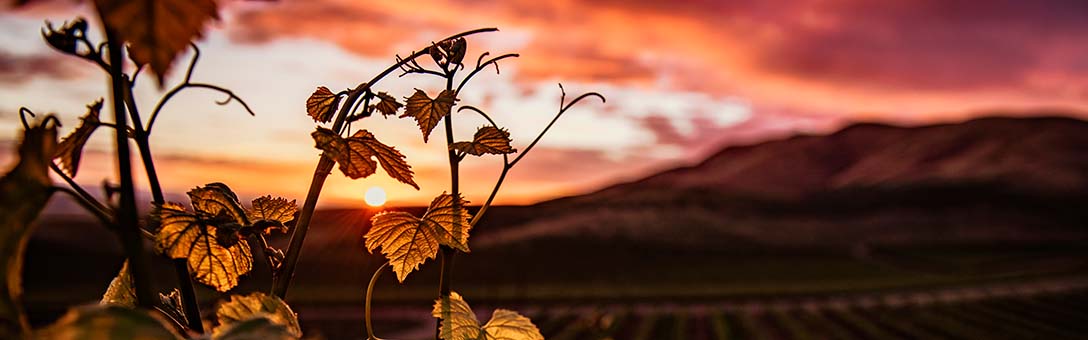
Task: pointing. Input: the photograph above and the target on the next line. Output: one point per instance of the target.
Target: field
(593, 289)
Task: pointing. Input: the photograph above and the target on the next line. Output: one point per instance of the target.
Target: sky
(683, 80)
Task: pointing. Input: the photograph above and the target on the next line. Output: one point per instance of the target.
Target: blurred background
(769, 170)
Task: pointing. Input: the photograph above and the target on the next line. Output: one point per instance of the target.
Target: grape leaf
(354, 154)
(451, 222)
(23, 193)
(216, 198)
(448, 52)
(195, 238)
(388, 105)
(456, 51)
(404, 241)
(259, 327)
(107, 322)
(244, 307)
(272, 212)
(70, 148)
(120, 291)
(391, 160)
(426, 111)
(488, 139)
(408, 241)
(459, 322)
(322, 104)
(157, 30)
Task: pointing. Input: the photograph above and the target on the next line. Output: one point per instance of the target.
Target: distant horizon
(359, 204)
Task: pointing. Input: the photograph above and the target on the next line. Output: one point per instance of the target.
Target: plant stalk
(128, 227)
(449, 253)
(181, 266)
(369, 295)
(282, 278)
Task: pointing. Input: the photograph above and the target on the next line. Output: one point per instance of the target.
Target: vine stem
(507, 164)
(181, 266)
(126, 216)
(282, 280)
(369, 295)
(448, 253)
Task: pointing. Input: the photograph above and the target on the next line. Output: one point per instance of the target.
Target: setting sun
(375, 196)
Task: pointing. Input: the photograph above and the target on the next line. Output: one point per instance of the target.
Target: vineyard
(1057, 309)
(956, 291)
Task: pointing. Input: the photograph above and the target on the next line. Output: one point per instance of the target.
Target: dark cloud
(15, 69)
(933, 45)
(663, 130)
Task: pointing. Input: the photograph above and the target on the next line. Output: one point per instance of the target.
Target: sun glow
(375, 196)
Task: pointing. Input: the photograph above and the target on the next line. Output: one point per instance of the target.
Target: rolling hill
(988, 179)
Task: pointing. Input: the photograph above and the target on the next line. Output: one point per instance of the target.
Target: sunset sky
(683, 79)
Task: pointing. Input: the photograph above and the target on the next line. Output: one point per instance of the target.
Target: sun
(375, 196)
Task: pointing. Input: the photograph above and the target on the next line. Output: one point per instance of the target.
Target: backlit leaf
(157, 30)
(509, 325)
(268, 211)
(108, 322)
(459, 322)
(391, 160)
(244, 307)
(426, 111)
(120, 291)
(405, 242)
(408, 241)
(216, 198)
(388, 105)
(70, 148)
(488, 139)
(23, 193)
(355, 155)
(259, 327)
(322, 104)
(330, 142)
(192, 237)
(450, 220)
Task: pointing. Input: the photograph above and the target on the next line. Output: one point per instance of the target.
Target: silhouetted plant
(209, 244)
(213, 242)
(405, 240)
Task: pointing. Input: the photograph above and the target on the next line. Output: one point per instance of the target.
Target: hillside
(989, 179)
